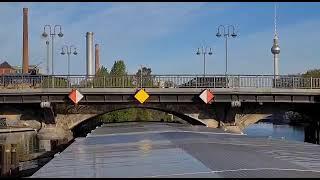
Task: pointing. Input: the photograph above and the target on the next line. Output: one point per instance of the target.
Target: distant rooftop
(5, 64)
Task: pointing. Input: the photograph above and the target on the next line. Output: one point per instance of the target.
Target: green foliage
(118, 69)
(101, 75)
(147, 79)
(315, 73)
(119, 116)
(118, 78)
(48, 82)
(103, 71)
(134, 114)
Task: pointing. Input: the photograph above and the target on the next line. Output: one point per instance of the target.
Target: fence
(159, 81)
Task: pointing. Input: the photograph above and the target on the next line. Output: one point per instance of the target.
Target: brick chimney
(25, 55)
(97, 57)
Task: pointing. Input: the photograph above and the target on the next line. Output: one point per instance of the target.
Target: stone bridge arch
(71, 116)
(184, 118)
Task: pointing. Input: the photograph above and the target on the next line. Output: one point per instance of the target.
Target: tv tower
(275, 47)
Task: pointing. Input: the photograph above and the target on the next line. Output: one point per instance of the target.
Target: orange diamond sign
(141, 96)
(75, 96)
(206, 96)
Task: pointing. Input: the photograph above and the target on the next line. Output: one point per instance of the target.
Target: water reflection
(18, 150)
(270, 130)
(145, 146)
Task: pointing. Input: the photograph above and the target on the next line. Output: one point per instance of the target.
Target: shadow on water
(22, 153)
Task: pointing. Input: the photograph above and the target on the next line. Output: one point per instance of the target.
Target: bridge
(239, 100)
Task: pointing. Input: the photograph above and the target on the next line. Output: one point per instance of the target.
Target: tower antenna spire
(275, 47)
(275, 19)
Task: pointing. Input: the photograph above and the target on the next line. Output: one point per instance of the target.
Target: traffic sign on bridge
(75, 96)
(207, 96)
(141, 96)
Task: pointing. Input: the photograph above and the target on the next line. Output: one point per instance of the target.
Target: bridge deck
(98, 95)
(171, 150)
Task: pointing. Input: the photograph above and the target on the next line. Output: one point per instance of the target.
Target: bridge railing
(159, 81)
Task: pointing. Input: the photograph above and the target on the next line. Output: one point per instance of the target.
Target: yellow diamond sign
(141, 96)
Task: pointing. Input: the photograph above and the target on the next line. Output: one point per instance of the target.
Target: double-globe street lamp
(204, 52)
(68, 50)
(45, 34)
(226, 34)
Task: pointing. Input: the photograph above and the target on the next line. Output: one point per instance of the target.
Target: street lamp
(47, 43)
(141, 76)
(68, 49)
(45, 34)
(226, 35)
(204, 52)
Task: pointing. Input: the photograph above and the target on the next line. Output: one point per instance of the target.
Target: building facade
(6, 68)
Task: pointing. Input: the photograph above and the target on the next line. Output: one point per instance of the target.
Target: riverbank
(15, 129)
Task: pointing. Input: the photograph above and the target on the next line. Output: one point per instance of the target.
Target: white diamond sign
(206, 96)
(75, 96)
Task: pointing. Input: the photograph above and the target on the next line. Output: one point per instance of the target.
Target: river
(31, 153)
(24, 153)
(276, 131)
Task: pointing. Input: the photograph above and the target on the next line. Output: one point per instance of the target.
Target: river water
(22, 153)
(28, 148)
(276, 131)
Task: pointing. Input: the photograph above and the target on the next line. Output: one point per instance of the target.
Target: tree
(315, 73)
(144, 115)
(103, 71)
(147, 79)
(101, 75)
(118, 69)
(118, 78)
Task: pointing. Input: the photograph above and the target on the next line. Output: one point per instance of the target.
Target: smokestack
(97, 57)
(90, 63)
(25, 55)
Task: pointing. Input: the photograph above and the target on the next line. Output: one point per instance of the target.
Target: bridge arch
(184, 118)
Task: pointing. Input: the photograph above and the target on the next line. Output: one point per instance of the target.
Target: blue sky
(165, 36)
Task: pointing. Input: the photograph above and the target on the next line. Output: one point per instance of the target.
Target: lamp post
(141, 75)
(226, 35)
(47, 43)
(68, 50)
(45, 34)
(204, 52)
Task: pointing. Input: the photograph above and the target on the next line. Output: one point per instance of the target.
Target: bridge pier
(311, 133)
(311, 121)
(52, 135)
(237, 118)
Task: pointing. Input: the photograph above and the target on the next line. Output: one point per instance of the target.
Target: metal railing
(159, 81)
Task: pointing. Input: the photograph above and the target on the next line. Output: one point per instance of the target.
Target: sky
(165, 36)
